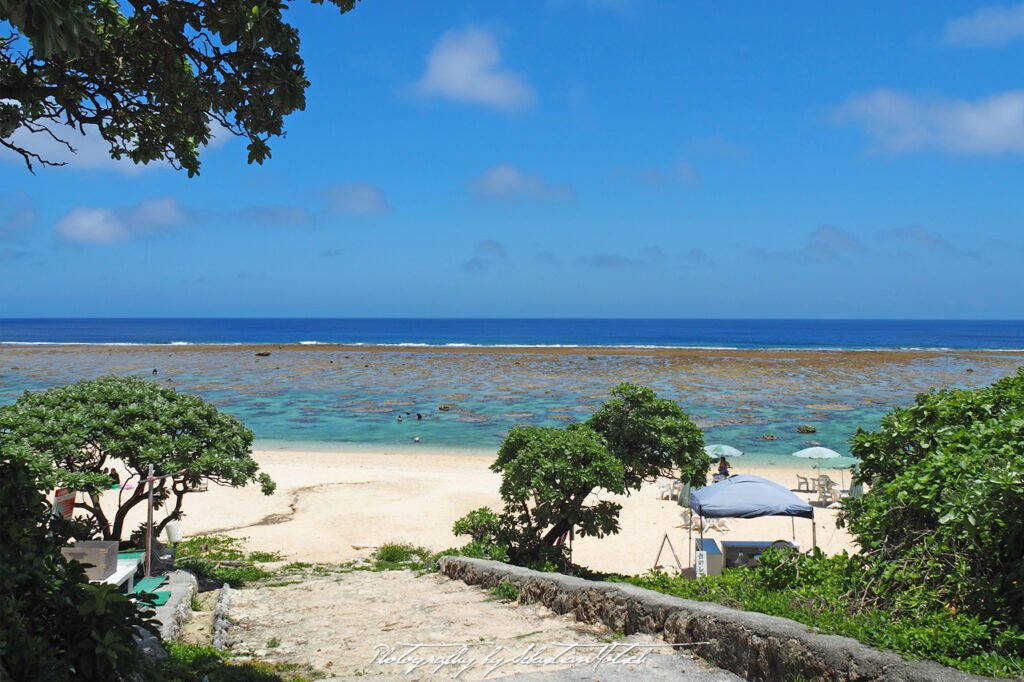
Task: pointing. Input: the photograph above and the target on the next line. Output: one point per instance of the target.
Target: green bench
(150, 586)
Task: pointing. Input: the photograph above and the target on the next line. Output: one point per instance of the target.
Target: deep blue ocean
(830, 334)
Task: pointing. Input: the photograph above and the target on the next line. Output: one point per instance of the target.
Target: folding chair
(719, 524)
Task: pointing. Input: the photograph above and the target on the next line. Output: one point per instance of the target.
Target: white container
(173, 532)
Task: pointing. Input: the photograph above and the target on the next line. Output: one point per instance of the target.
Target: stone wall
(752, 645)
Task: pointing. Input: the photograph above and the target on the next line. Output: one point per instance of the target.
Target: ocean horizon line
(514, 318)
(513, 346)
(526, 333)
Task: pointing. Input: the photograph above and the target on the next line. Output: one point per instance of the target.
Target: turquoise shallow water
(344, 398)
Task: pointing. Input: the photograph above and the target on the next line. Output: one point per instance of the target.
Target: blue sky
(573, 158)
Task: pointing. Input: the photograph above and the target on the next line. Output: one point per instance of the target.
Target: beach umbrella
(817, 453)
(842, 466)
(719, 450)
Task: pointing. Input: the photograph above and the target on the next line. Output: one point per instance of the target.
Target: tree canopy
(150, 75)
(82, 428)
(549, 473)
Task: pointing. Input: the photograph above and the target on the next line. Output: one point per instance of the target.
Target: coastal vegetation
(151, 81)
(941, 532)
(55, 624)
(945, 516)
(831, 595)
(82, 429)
(549, 473)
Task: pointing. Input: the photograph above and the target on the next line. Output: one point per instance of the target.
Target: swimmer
(399, 419)
(416, 439)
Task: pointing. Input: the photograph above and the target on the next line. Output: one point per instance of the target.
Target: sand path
(368, 624)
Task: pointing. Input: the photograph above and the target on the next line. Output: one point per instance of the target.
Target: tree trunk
(138, 496)
(564, 526)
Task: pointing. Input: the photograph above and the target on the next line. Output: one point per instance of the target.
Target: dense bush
(549, 473)
(54, 624)
(944, 519)
(826, 593)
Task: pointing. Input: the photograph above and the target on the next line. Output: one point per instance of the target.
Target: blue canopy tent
(746, 496)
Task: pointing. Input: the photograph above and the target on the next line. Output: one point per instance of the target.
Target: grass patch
(222, 558)
(525, 635)
(273, 643)
(506, 591)
(191, 662)
(401, 556)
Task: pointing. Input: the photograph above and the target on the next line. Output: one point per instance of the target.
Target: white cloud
(826, 244)
(489, 247)
(920, 238)
(987, 26)
(898, 123)
(356, 199)
(487, 253)
(275, 215)
(609, 260)
(106, 226)
(465, 66)
(547, 258)
(508, 183)
(695, 256)
(686, 173)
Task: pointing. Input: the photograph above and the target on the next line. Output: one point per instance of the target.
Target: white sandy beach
(335, 506)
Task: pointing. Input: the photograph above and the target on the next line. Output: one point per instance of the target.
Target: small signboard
(64, 502)
(701, 565)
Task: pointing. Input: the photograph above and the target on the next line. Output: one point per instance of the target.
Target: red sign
(64, 502)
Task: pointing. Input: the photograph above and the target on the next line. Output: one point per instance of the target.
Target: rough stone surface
(221, 624)
(149, 645)
(178, 609)
(753, 645)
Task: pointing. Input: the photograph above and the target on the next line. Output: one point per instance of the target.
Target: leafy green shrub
(480, 549)
(396, 556)
(54, 624)
(824, 593)
(549, 473)
(506, 591)
(944, 519)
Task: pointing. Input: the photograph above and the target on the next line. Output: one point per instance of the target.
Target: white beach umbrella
(722, 451)
(817, 453)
